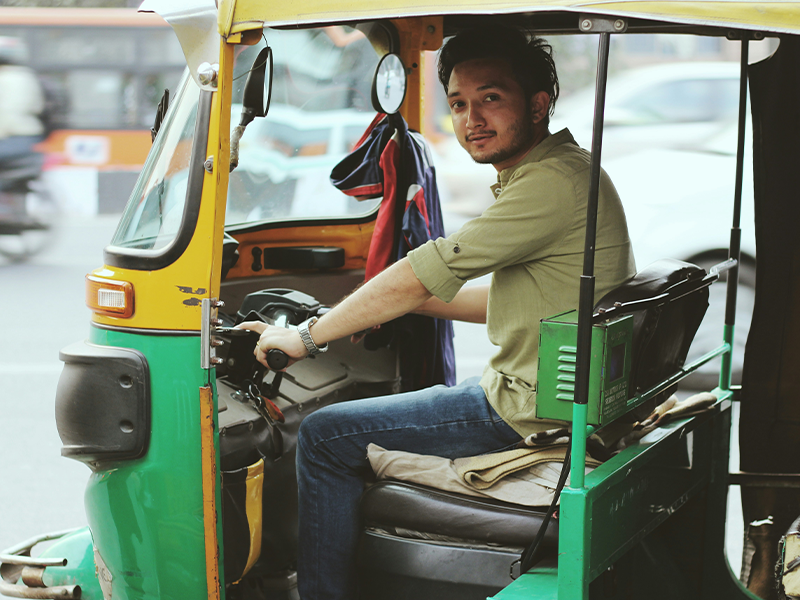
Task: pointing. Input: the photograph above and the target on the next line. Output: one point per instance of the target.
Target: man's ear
(540, 104)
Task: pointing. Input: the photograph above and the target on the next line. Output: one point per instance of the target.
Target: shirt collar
(536, 154)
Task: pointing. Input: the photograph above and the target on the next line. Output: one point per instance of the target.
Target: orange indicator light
(109, 297)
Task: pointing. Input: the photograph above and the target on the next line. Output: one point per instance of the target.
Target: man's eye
(456, 105)
(492, 98)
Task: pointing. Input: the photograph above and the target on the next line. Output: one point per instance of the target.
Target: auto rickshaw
(191, 446)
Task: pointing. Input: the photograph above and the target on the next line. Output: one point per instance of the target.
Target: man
(501, 88)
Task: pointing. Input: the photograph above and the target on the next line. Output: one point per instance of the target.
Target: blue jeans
(332, 463)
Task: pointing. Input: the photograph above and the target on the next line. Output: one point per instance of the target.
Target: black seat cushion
(395, 504)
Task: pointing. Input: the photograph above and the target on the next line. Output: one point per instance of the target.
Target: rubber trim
(266, 225)
(152, 260)
(152, 332)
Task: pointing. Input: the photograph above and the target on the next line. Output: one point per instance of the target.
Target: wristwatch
(305, 335)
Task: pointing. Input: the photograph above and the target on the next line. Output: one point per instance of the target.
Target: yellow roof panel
(778, 16)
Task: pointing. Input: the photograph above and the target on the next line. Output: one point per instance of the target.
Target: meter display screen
(616, 362)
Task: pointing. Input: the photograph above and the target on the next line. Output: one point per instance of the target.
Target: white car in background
(673, 105)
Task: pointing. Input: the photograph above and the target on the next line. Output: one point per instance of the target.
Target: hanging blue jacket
(394, 162)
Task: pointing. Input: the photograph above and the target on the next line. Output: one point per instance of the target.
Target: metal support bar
(736, 232)
(764, 480)
(20, 554)
(586, 300)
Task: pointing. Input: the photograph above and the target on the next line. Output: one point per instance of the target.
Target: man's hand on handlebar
(280, 338)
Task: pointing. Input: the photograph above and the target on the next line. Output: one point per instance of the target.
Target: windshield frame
(382, 37)
(151, 260)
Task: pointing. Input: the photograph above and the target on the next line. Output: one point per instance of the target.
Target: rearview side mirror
(389, 85)
(254, 102)
(257, 86)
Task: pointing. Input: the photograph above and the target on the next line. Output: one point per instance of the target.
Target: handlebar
(277, 359)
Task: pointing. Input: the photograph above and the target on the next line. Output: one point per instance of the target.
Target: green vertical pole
(574, 549)
(578, 460)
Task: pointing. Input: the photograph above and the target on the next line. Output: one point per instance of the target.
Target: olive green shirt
(531, 239)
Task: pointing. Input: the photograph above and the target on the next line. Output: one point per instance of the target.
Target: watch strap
(305, 334)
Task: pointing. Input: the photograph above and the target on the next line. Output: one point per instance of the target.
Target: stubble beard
(522, 137)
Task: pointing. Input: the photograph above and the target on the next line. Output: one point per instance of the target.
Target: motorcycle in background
(27, 209)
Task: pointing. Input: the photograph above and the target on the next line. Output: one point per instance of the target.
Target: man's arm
(469, 305)
(391, 294)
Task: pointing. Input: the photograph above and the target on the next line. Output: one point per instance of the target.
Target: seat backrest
(662, 330)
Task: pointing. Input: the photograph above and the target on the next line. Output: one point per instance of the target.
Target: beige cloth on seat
(526, 476)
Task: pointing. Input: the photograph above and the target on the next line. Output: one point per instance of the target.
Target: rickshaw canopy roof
(199, 23)
(771, 17)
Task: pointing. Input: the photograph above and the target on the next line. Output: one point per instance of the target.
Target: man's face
(491, 118)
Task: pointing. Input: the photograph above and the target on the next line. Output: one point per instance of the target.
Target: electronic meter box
(609, 375)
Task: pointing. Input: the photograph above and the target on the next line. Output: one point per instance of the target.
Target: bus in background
(103, 72)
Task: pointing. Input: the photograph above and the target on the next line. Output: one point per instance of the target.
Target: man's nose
(475, 117)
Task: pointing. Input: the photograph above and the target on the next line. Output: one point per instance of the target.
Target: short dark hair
(531, 58)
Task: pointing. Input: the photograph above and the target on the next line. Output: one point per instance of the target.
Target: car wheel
(709, 335)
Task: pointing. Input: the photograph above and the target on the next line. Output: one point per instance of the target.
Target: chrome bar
(32, 570)
(14, 555)
(61, 592)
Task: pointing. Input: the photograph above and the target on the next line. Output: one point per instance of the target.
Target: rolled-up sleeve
(431, 269)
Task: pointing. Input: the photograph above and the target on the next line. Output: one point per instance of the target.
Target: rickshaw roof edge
(772, 17)
(199, 23)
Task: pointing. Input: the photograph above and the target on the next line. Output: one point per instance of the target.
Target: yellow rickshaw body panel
(169, 298)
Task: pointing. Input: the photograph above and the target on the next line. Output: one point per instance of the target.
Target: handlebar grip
(277, 359)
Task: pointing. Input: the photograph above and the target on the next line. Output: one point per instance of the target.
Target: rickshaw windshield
(320, 108)
(153, 216)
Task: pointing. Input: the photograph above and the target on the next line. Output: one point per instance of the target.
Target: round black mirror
(389, 85)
